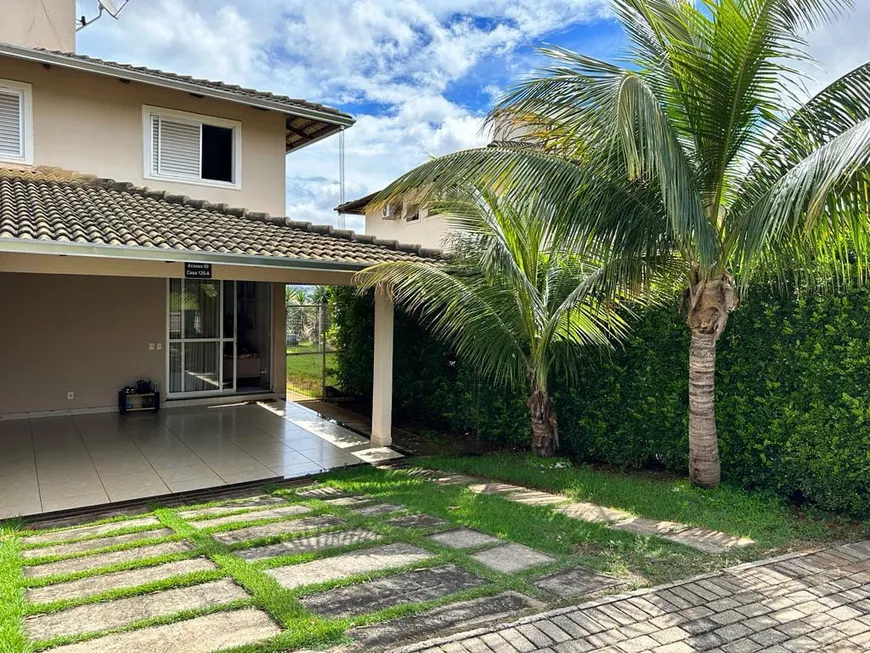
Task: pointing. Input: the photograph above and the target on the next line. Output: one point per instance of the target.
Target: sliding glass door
(202, 326)
(219, 337)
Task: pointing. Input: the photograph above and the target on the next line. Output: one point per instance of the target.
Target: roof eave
(152, 80)
(55, 248)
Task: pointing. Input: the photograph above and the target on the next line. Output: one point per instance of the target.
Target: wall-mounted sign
(197, 270)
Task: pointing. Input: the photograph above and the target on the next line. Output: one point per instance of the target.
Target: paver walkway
(702, 539)
(817, 601)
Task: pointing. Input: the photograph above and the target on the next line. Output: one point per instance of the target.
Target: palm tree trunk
(545, 430)
(704, 468)
(711, 302)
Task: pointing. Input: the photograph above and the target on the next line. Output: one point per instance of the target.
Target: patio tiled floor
(57, 463)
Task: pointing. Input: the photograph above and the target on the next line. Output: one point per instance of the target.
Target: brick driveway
(814, 601)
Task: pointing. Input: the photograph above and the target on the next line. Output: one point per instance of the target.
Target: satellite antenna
(111, 7)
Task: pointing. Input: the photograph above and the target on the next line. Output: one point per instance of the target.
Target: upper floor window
(187, 147)
(16, 122)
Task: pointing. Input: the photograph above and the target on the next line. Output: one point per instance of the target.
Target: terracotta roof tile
(55, 205)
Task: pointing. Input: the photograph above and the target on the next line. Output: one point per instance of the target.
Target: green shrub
(793, 394)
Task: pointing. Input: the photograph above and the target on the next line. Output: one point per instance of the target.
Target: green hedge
(793, 394)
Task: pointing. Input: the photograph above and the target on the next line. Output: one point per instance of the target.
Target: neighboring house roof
(306, 121)
(52, 211)
(358, 206)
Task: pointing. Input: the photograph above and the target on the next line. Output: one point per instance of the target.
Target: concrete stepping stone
(271, 513)
(83, 587)
(511, 558)
(333, 540)
(89, 531)
(98, 560)
(536, 498)
(212, 632)
(463, 538)
(408, 587)
(594, 513)
(349, 564)
(112, 614)
(650, 527)
(708, 541)
(241, 504)
(377, 510)
(349, 501)
(453, 479)
(463, 615)
(574, 582)
(90, 545)
(325, 492)
(276, 528)
(494, 488)
(416, 521)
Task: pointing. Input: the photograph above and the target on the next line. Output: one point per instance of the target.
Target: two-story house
(141, 230)
(408, 221)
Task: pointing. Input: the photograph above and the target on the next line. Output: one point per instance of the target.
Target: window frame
(25, 92)
(196, 118)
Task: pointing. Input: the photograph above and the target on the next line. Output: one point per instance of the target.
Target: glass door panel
(201, 367)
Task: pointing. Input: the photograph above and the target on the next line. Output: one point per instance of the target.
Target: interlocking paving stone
(200, 635)
(512, 558)
(349, 501)
(241, 504)
(465, 614)
(105, 559)
(416, 521)
(377, 509)
(98, 543)
(112, 614)
(576, 581)
(408, 587)
(463, 538)
(348, 564)
(320, 542)
(103, 583)
(271, 513)
(276, 528)
(708, 541)
(89, 531)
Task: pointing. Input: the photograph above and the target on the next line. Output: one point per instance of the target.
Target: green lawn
(764, 518)
(637, 560)
(304, 371)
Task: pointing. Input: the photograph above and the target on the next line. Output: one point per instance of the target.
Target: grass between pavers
(764, 518)
(12, 603)
(33, 546)
(133, 544)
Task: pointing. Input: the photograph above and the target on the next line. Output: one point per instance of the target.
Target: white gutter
(55, 248)
(54, 59)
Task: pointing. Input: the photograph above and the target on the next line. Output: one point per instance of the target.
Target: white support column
(382, 388)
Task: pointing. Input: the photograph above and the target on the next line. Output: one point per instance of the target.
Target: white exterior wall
(428, 231)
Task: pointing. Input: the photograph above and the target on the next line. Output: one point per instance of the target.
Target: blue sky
(417, 74)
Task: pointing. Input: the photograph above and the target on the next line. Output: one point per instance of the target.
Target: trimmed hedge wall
(793, 394)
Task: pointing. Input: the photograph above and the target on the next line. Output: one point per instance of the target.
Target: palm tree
(516, 299)
(699, 147)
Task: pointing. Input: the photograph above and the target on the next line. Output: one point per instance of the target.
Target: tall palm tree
(517, 299)
(698, 146)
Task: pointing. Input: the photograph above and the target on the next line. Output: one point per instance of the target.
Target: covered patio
(98, 294)
(61, 463)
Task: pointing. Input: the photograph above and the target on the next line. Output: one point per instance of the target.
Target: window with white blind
(16, 123)
(191, 148)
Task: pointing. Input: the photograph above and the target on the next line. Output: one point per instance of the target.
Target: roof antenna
(109, 6)
(342, 221)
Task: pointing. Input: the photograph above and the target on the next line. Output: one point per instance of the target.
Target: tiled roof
(306, 121)
(55, 206)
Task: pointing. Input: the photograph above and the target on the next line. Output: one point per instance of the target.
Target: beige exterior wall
(46, 24)
(93, 124)
(428, 231)
(89, 335)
